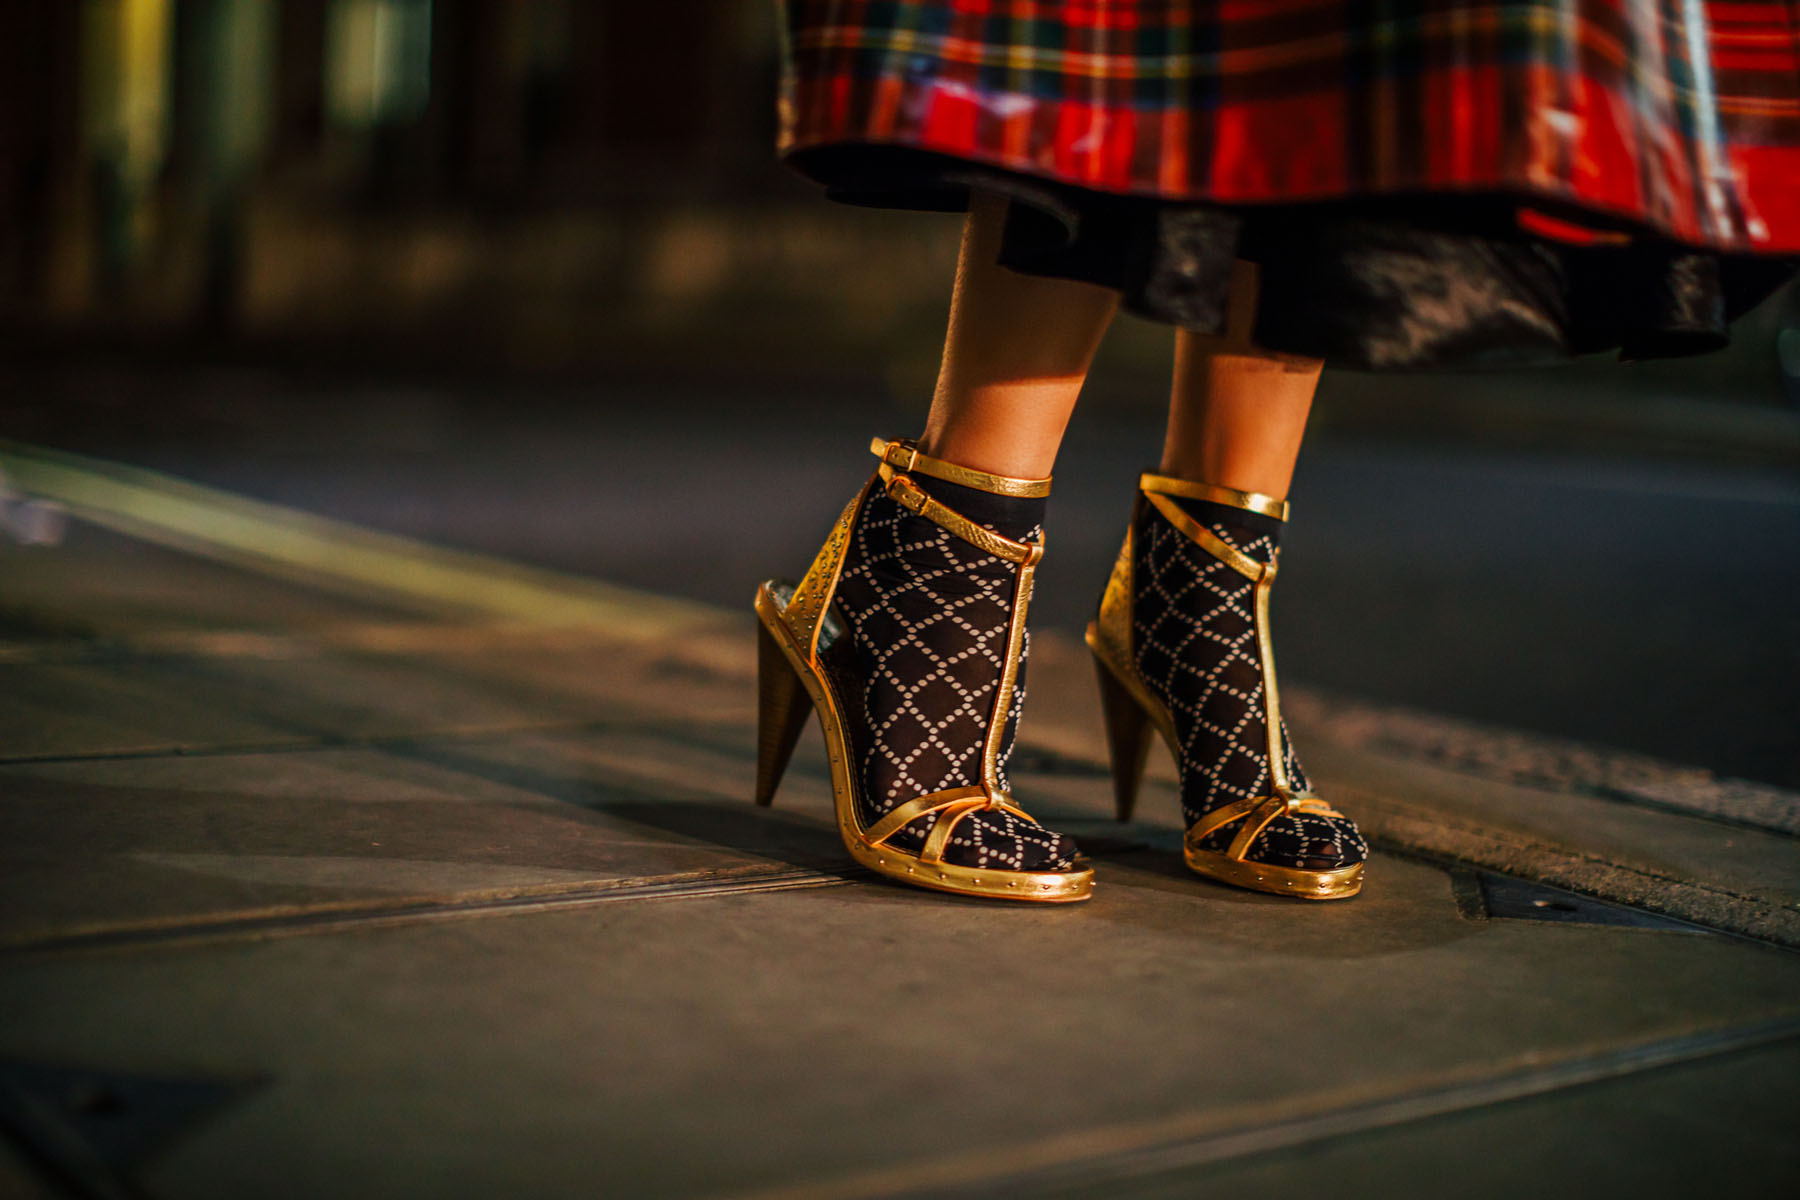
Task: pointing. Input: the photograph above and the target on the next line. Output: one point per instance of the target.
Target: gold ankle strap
(1256, 502)
(910, 496)
(902, 454)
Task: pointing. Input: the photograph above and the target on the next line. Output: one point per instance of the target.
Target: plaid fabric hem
(1682, 116)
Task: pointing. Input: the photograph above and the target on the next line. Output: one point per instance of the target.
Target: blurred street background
(522, 278)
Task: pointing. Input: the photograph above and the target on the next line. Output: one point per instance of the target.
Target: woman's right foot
(909, 636)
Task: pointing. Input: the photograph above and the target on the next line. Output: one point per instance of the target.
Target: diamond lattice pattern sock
(928, 616)
(1194, 631)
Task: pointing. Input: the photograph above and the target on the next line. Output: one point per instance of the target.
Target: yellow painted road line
(423, 637)
(317, 550)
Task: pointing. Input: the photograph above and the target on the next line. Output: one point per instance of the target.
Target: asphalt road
(1647, 605)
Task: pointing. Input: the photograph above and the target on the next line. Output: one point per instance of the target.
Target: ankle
(1237, 472)
(1010, 456)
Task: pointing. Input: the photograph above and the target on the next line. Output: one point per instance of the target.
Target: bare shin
(1016, 354)
(1237, 413)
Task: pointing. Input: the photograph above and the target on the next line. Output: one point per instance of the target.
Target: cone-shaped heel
(782, 707)
(1128, 734)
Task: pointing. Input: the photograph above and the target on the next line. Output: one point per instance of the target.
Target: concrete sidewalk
(265, 800)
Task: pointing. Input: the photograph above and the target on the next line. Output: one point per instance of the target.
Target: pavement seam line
(303, 743)
(1135, 1149)
(397, 638)
(336, 917)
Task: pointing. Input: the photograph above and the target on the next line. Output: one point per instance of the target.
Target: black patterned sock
(1194, 632)
(928, 615)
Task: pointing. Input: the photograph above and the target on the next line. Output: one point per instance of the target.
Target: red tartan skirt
(1630, 127)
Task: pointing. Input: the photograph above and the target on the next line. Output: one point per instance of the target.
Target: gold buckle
(904, 492)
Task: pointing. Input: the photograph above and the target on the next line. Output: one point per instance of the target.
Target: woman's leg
(1237, 412)
(1015, 357)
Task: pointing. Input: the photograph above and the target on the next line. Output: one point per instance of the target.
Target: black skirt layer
(1403, 282)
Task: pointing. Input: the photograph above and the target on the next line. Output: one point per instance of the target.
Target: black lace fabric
(927, 616)
(1194, 632)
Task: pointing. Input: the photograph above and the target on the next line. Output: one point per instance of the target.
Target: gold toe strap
(897, 818)
(949, 817)
(951, 805)
(1257, 812)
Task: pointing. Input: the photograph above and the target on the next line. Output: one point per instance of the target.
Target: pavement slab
(113, 845)
(856, 1040)
(1733, 1118)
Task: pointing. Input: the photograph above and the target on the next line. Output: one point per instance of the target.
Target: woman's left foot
(1182, 645)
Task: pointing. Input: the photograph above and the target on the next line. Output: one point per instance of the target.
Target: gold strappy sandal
(803, 647)
(1132, 705)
